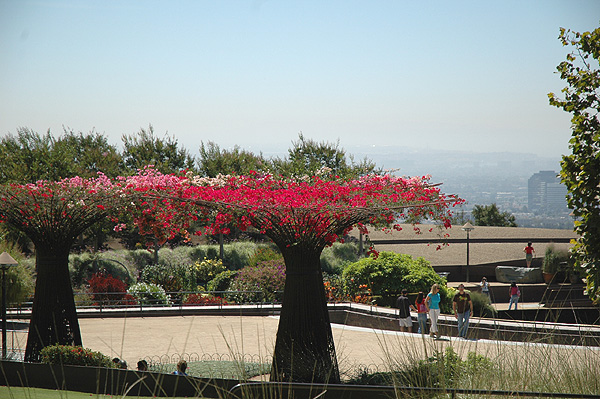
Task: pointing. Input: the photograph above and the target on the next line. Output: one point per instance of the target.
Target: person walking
(529, 253)
(422, 311)
(433, 304)
(463, 308)
(404, 307)
(515, 294)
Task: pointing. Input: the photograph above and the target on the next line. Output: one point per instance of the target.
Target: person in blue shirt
(433, 303)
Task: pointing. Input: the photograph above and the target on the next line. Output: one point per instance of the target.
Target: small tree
(302, 216)
(581, 170)
(216, 161)
(490, 215)
(144, 148)
(52, 215)
(309, 157)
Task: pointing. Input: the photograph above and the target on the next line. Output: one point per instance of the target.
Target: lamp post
(468, 227)
(6, 261)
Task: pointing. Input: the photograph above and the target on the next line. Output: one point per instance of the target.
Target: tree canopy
(144, 148)
(580, 170)
(302, 216)
(308, 157)
(214, 161)
(490, 215)
(52, 215)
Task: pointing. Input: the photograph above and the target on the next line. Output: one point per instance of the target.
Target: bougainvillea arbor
(52, 215)
(302, 217)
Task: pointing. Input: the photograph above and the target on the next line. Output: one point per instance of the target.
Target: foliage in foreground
(580, 170)
(74, 355)
(441, 370)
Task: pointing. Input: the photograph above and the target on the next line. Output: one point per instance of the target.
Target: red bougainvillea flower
(308, 208)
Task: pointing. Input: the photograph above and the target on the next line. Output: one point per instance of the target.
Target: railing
(119, 300)
(346, 391)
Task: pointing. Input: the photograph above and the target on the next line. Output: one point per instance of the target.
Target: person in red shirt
(529, 253)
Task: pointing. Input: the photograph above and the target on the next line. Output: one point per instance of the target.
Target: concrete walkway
(135, 338)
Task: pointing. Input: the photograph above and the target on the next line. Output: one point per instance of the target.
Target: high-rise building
(546, 194)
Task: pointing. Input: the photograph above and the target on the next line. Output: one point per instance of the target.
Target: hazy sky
(470, 75)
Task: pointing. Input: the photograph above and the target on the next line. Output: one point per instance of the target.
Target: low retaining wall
(481, 328)
(102, 381)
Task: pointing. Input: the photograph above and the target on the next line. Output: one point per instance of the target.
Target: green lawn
(219, 369)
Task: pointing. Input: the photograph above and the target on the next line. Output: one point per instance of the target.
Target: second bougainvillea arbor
(302, 217)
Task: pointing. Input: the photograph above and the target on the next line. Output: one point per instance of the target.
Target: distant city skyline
(466, 75)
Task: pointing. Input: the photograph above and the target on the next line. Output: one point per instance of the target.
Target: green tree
(215, 160)
(490, 215)
(19, 279)
(29, 156)
(89, 154)
(308, 157)
(144, 148)
(580, 171)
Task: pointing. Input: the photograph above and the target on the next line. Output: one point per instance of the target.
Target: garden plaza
(135, 338)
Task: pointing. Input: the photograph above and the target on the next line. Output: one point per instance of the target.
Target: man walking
(404, 306)
(463, 307)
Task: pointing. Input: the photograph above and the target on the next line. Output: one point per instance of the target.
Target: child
(422, 311)
(515, 293)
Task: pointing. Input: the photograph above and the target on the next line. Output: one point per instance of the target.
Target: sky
(432, 75)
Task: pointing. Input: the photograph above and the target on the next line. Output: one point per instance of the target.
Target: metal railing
(181, 299)
(346, 391)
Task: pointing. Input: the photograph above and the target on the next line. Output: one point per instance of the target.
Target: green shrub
(83, 266)
(339, 255)
(19, 279)
(149, 294)
(206, 270)
(172, 278)
(442, 370)
(264, 254)
(266, 277)
(222, 281)
(482, 306)
(74, 355)
(238, 254)
(389, 273)
(553, 259)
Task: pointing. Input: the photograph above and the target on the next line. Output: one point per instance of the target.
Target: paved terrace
(169, 333)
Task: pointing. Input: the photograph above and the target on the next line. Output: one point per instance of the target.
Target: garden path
(137, 337)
